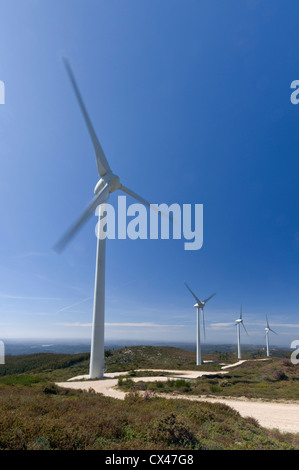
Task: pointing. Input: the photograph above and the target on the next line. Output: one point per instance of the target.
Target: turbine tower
(107, 184)
(238, 323)
(267, 329)
(200, 305)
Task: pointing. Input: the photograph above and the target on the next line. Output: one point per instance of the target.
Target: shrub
(225, 383)
(181, 383)
(266, 378)
(159, 384)
(40, 443)
(287, 363)
(132, 373)
(172, 430)
(25, 380)
(280, 375)
(215, 388)
(51, 389)
(254, 422)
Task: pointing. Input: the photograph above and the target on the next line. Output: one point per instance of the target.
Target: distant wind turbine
(267, 329)
(200, 305)
(107, 184)
(239, 321)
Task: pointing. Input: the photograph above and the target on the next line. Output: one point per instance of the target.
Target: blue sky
(191, 103)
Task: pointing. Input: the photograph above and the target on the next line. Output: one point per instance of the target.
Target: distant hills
(18, 347)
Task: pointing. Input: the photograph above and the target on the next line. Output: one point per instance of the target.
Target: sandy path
(242, 361)
(282, 416)
(233, 365)
(107, 386)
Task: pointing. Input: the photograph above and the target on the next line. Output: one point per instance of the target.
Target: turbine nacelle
(199, 305)
(239, 321)
(268, 329)
(110, 179)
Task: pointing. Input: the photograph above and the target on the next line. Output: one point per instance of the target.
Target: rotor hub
(110, 179)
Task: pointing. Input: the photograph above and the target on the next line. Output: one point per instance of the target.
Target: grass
(60, 367)
(276, 379)
(24, 380)
(128, 385)
(56, 366)
(44, 417)
(36, 414)
(155, 357)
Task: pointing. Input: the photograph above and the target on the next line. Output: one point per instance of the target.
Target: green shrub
(132, 373)
(215, 388)
(181, 383)
(172, 429)
(40, 443)
(25, 380)
(280, 375)
(160, 384)
(51, 389)
(225, 383)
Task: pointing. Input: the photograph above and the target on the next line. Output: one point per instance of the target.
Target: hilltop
(54, 366)
(37, 414)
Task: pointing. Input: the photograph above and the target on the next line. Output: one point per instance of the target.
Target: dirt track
(278, 415)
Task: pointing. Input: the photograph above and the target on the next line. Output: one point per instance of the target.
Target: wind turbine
(267, 329)
(238, 323)
(107, 184)
(200, 305)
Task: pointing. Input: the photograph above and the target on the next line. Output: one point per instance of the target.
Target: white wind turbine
(200, 305)
(107, 184)
(238, 324)
(267, 329)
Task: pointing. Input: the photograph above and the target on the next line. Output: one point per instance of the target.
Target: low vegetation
(36, 414)
(274, 379)
(44, 417)
(59, 366)
(153, 357)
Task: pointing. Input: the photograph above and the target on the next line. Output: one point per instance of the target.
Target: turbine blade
(241, 313)
(267, 322)
(134, 195)
(102, 164)
(144, 201)
(273, 331)
(245, 328)
(206, 300)
(97, 200)
(196, 298)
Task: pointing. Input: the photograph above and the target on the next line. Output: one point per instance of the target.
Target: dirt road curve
(282, 416)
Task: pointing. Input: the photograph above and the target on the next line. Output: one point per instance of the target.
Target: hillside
(36, 414)
(273, 379)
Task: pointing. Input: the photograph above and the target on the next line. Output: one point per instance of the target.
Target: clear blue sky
(191, 102)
